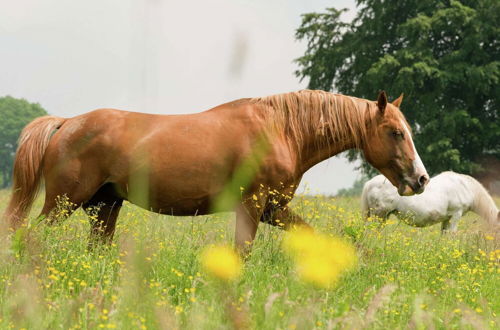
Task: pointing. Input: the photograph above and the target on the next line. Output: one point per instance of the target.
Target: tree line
(443, 55)
(14, 115)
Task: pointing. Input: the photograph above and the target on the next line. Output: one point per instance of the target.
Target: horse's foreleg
(247, 221)
(365, 214)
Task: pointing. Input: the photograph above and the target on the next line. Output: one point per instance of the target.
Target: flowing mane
(302, 113)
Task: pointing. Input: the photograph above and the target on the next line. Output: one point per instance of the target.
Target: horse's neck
(319, 124)
(316, 150)
(321, 143)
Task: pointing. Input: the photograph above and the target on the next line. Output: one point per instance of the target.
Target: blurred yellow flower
(320, 259)
(317, 270)
(221, 262)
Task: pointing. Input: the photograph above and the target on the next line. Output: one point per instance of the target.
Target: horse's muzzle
(412, 187)
(419, 185)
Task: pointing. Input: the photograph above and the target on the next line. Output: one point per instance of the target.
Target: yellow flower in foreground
(320, 259)
(318, 271)
(221, 262)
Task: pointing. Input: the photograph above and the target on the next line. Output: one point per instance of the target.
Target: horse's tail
(33, 141)
(483, 203)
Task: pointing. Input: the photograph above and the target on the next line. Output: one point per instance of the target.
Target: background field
(150, 277)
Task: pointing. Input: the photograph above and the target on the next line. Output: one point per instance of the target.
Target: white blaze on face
(418, 166)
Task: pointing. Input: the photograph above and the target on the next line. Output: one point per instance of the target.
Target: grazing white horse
(447, 197)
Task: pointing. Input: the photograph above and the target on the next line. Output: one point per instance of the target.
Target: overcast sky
(157, 56)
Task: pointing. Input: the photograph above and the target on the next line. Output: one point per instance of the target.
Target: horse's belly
(428, 219)
(179, 207)
(186, 208)
(423, 217)
(161, 197)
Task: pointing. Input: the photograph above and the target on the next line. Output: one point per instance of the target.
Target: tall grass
(150, 277)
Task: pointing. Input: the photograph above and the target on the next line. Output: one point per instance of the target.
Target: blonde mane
(302, 113)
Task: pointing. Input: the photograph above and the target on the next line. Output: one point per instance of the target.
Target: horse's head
(390, 148)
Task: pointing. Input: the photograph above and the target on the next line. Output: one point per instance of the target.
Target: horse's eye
(398, 134)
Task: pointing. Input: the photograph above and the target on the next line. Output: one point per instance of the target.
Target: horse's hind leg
(66, 191)
(445, 226)
(284, 218)
(451, 225)
(454, 221)
(62, 200)
(103, 209)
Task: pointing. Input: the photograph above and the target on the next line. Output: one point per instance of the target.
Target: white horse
(447, 197)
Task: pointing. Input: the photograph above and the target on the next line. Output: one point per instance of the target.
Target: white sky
(157, 56)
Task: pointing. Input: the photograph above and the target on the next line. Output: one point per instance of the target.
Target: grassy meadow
(151, 278)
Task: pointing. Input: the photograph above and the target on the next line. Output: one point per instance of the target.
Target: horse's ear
(382, 101)
(397, 102)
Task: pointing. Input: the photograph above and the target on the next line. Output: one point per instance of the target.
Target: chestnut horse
(186, 161)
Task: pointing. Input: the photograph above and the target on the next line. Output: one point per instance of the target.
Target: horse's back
(188, 158)
(97, 134)
(446, 195)
(458, 189)
(382, 195)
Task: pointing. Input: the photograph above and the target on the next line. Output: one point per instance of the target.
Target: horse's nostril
(423, 180)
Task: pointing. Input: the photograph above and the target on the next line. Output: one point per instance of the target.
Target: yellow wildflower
(320, 259)
(221, 262)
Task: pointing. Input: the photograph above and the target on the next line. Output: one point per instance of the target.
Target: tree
(443, 55)
(14, 115)
(355, 190)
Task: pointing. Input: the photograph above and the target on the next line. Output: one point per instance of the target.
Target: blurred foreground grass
(151, 276)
